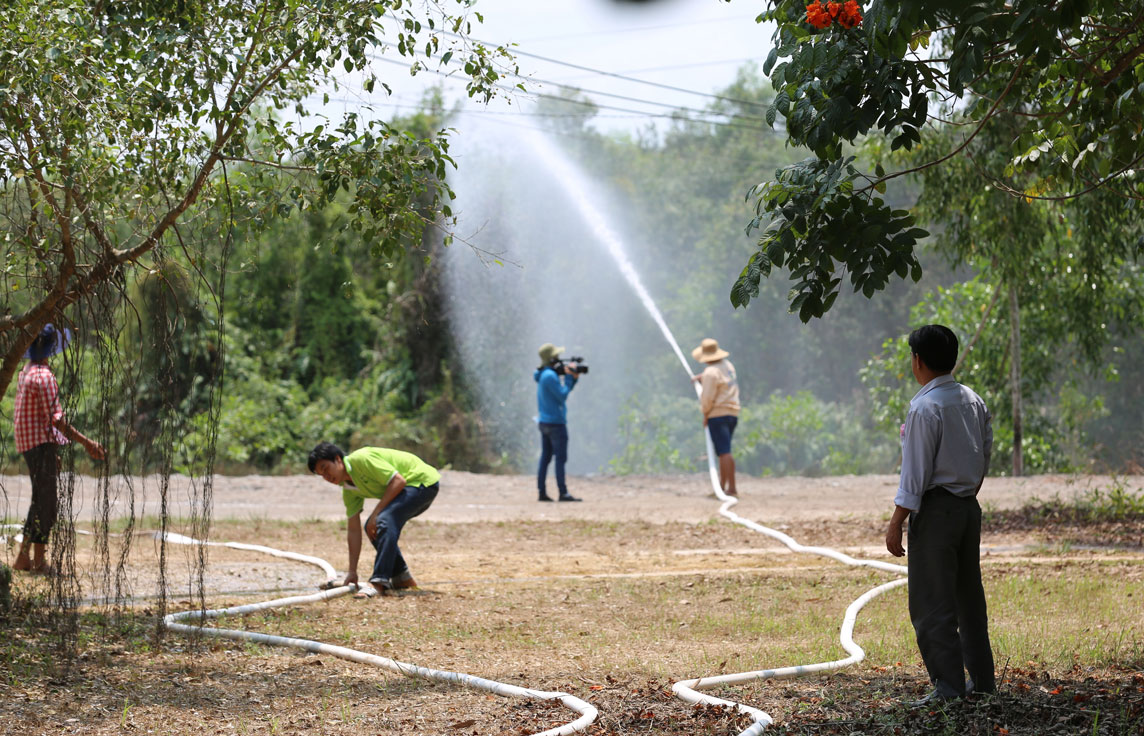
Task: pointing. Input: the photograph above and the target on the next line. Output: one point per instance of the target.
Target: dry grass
(611, 612)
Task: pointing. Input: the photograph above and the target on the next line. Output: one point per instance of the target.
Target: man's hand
(371, 528)
(351, 578)
(95, 450)
(894, 539)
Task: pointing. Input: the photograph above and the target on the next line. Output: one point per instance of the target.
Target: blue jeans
(553, 442)
(412, 501)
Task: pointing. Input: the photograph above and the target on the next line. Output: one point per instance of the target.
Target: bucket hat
(49, 342)
(548, 351)
(708, 351)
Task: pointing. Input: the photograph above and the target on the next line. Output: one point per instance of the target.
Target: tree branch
(271, 164)
(1065, 197)
(60, 297)
(959, 149)
(980, 327)
(1121, 65)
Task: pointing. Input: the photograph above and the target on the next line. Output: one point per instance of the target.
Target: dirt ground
(639, 585)
(467, 497)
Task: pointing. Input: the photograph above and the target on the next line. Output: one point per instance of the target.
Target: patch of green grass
(1111, 503)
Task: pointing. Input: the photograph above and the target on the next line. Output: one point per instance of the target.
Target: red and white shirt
(37, 408)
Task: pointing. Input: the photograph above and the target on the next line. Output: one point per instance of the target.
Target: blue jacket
(550, 395)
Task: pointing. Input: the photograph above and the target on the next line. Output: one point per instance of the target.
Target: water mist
(560, 237)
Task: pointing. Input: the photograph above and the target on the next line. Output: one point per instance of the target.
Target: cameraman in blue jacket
(554, 381)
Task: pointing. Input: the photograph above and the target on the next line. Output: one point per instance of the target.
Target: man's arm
(919, 446)
(987, 446)
(49, 400)
(710, 384)
(556, 388)
(94, 449)
(396, 486)
(919, 443)
(353, 540)
(894, 531)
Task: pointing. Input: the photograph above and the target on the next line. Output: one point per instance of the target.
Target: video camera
(574, 365)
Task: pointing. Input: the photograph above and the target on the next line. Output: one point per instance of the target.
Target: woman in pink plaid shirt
(40, 429)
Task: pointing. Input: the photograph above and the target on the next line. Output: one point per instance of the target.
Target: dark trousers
(44, 469)
(412, 501)
(947, 600)
(553, 443)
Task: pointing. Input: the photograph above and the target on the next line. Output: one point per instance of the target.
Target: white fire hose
(579, 189)
(586, 710)
(688, 690)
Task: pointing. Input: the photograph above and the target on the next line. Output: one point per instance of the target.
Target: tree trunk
(1015, 377)
(5, 590)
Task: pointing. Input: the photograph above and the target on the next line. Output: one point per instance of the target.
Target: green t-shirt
(371, 469)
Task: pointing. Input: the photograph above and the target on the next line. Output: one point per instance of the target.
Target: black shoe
(971, 690)
(568, 497)
(545, 497)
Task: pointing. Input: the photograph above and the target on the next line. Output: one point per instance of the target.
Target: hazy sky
(695, 45)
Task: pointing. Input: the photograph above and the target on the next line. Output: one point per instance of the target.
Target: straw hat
(548, 351)
(708, 351)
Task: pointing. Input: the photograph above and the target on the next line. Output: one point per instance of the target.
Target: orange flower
(817, 16)
(833, 8)
(850, 15)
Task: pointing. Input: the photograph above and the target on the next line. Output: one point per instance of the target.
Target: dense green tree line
(1079, 302)
(324, 339)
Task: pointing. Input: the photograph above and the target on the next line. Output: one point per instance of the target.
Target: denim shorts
(721, 429)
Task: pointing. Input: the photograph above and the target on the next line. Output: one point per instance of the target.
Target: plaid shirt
(37, 407)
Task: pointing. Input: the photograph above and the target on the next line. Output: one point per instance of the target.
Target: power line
(673, 67)
(613, 95)
(614, 75)
(520, 52)
(510, 113)
(617, 76)
(597, 105)
(637, 29)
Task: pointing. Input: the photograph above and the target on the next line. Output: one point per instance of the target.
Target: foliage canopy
(1066, 78)
(120, 120)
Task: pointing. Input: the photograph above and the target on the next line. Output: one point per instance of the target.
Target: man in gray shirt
(946, 443)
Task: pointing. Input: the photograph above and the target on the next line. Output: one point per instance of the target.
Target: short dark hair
(324, 451)
(936, 345)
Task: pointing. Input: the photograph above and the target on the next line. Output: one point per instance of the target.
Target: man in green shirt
(404, 485)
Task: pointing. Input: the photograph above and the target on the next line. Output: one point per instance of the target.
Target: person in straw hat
(40, 430)
(719, 402)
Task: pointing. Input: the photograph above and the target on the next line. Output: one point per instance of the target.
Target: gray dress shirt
(947, 441)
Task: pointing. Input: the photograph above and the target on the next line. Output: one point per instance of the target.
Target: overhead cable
(520, 52)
